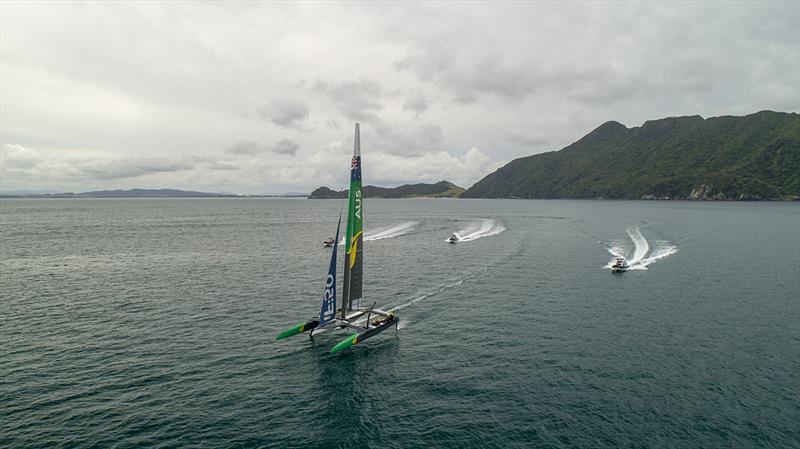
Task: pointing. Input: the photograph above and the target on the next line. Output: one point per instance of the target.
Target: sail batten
(354, 237)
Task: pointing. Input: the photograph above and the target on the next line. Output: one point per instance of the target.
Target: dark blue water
(152, 323)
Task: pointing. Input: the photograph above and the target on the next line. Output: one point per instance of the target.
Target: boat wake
(393, 231)
(387, 233)
(432, 292)
(422, 295)
(478, 229)
(641, 256)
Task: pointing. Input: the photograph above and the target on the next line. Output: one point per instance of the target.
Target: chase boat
(620, 265)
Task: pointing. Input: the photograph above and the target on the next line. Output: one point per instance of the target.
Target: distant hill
(324, 193)
(132, 193)
(723, 158)
(438, 190)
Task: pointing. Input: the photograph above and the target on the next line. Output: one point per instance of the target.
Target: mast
(354, 237)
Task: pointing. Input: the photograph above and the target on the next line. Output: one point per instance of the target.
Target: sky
(262, 97)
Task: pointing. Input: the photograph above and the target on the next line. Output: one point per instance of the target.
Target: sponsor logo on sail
(327, 296)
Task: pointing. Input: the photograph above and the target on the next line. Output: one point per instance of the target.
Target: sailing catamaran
(351, 314)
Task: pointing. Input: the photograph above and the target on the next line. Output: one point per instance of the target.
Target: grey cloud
(407, 141)
(661, 52)
(427, 65)
(358, 100)
(285, 146)
(246, 147)
(285, 113)
(529, 140)
(222, 165)
(556, 70)
(21, 161)
(251, 147)
(488, 73)
(133, 167)
(432, 134)
(464, 97)
(416, 104)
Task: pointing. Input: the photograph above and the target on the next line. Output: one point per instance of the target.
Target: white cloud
(388, 169)
(24, 167)
(127, 94)
(17, 157)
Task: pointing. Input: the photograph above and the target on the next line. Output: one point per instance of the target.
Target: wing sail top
(354, 238)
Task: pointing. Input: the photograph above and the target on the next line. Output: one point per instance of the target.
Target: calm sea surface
(152, 323)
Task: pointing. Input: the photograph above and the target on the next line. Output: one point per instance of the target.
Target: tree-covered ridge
(751, 157)
(440, 189)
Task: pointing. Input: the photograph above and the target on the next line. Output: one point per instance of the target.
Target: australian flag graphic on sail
(355, 169)
(328, 310)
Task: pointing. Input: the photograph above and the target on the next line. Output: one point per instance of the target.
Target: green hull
(289, 332)
(299, 329)
(346, 343)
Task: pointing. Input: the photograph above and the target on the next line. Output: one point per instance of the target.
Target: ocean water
(152, 323)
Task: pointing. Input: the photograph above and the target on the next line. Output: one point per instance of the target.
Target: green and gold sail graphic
(354, 239)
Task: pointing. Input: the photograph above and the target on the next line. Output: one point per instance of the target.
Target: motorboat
(329, 243)
(620, 265)
(453, 239)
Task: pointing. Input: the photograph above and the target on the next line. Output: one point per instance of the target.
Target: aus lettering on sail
(358, 204)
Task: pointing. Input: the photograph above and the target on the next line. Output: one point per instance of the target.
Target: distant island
(142, 193)
(754, 157)
(441, 189)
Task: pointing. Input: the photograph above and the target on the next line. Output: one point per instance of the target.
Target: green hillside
(752, 157)
(440, 189)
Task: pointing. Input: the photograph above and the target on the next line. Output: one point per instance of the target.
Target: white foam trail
(476, 230)
(387, 233)
(424, 295)
(617, 250)
(659, 253)
(641, 245)
(394, 231)
(640, 258)
(403, 306)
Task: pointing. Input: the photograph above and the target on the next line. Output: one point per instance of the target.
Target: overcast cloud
(286, 113)
(252, 148)
(258, 97)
